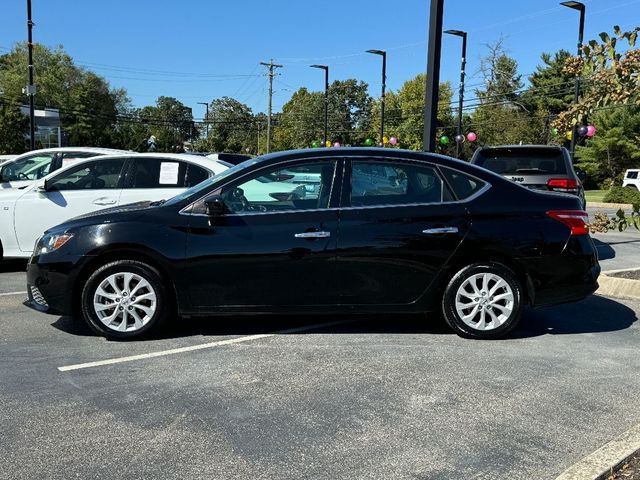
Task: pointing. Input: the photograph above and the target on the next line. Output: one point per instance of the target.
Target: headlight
(52, 242)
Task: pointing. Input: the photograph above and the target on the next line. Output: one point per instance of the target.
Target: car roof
(515, 147)
(71, 149)
(209, 164)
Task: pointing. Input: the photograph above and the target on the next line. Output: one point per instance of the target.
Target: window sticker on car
(169, 173)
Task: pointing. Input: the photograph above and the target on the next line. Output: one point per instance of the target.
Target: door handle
(437, 231)
(320, 234)
(104, 201)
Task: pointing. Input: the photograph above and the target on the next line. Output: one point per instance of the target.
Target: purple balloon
(582, 130)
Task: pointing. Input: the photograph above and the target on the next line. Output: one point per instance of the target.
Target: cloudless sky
(198, 50)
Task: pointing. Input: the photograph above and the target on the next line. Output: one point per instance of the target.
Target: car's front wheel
(125, 299)
(483, 301)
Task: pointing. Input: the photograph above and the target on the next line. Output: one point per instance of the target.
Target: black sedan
(365, 230)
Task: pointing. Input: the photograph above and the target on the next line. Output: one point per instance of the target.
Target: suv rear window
(508, 161)
(632, 174)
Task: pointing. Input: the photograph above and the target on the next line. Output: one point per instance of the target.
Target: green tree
(170, 121)
(551, 90)
(614, 148)
(88, 106)
(14, 127)
(231, 127)
(301, 122)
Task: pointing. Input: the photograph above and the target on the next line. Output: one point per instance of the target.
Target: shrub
(622, 195)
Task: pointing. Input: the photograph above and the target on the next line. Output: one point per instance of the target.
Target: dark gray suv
(540, 167)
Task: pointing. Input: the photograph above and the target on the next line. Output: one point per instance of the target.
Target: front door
(276, 245)
(398, 227)
(88, 187)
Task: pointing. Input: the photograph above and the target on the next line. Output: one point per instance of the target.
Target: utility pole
(31, 89)
(271, 74)
(433, 76)
(463, 35)
(206, 118)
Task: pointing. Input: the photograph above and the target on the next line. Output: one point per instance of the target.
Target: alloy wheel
(484, 301)
(125, 302)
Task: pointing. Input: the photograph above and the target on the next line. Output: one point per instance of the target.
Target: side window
(70, 157)
(462, 184)
(388, 183)
(195, 175)
(96, 175)
(30, 168)
(157, 173)
(298, 187)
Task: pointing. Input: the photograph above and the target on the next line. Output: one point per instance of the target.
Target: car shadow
(596, 314)
(605, 252)
(13, 265)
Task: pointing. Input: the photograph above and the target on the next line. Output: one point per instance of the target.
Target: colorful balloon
(444, 140)
(368, 142)
(327, 143)
(385, 140)
(569, 135)
(591, 131)
(393, 140)
(554, 131)
(582, 130)
(315, 145)
(472, 137)
(459, 138)
(337, 144)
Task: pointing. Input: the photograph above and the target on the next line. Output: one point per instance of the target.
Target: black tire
(453, 317)
(155, 321)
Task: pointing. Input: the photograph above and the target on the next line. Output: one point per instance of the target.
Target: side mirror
(215, 206)
(581, 174)
(41, 187)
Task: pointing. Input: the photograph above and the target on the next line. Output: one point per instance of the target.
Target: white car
(90, 185)
(36, 164)
(632, 178)
(5, 158)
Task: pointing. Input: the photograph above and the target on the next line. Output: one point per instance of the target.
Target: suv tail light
(576, 220)
(563, 185)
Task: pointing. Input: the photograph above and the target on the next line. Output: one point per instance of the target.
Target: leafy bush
(622, 195)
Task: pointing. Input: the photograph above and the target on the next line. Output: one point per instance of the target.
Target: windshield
(195, 190)
(507, 161)
(30, 168)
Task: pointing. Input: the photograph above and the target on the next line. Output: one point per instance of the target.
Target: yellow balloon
(385, 140)
(569, 133)
(327, 144)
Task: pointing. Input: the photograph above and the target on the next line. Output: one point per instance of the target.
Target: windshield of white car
(207, 183)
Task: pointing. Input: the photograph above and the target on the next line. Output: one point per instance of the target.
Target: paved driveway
(365, 398)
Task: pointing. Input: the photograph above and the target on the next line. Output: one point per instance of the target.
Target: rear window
(632, 174)
(523, 161)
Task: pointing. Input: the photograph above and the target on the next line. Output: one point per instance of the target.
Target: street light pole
(31, 89)
(206, 118)
(463, 35)
(326, 102)
(383, 54)
(581, 8)
(433, 76)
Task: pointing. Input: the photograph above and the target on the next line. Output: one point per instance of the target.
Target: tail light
(576, 220)
(563, 185)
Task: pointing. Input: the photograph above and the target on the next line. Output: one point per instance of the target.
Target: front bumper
(50, 286)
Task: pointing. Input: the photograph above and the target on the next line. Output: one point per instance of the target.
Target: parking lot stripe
(12, 293)
(173, 351)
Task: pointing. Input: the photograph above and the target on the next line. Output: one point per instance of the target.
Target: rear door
(398, 226)
(86, 188)
(153, 179)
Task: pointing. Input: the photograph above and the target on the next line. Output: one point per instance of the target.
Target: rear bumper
(570, 276)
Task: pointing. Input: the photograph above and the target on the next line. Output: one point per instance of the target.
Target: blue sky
(198, 50)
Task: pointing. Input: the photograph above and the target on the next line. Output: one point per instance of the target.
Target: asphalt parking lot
(316, 397)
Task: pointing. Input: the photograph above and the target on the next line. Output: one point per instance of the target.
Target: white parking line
(12, 293)
(202, 346)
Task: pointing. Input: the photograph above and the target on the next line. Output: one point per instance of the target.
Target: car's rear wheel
(483, 301)
(125, 299)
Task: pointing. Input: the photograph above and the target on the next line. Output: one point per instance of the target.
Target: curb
(600, 464)
(619, 287)
(609, 205)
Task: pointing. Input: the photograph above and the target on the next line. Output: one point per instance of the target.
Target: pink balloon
(393, 140)
(472, 137)
(337, 144)
(591, 131)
